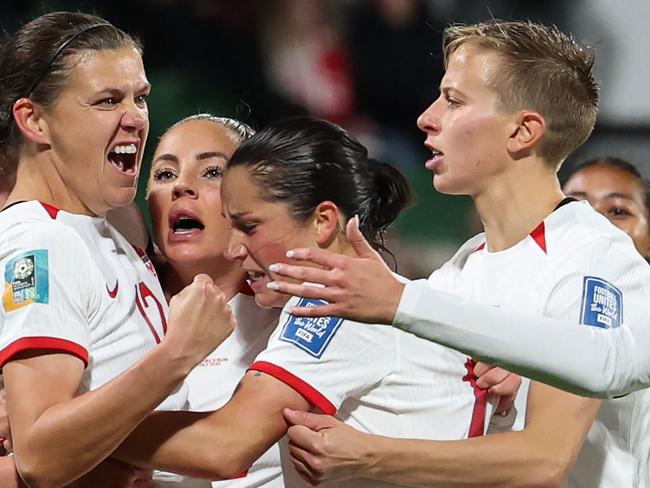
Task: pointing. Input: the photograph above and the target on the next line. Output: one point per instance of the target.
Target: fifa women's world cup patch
(602, 304)
(26, 280)
(311, 334)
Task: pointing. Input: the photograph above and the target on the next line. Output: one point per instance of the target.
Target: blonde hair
(540, 69)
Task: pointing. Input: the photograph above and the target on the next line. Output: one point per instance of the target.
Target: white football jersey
(375, 378)
(212, 383)
(568, 268)
(72, 283)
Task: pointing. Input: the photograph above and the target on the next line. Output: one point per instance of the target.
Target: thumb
(312, 421)
(358, 241)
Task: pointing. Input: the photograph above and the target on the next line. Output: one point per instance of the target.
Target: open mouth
(184, 223)
(254, 276)
(124, 158)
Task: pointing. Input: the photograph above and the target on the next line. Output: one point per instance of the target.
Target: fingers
(304, 462)
(491, 377)
(312, 421)
(305, 291)
(358, 241)
(321, 257)
(303, 273)
(508, 387)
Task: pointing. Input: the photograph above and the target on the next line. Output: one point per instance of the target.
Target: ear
(327, 222)
(28, 117)
(529, 129)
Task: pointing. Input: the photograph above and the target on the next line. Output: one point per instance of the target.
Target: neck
(227, 275)
(513, 206)
(37, 178)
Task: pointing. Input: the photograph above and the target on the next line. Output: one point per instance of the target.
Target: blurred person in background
(615, 188)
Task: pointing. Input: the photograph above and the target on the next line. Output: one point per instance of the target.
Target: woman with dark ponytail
(82, 310)
(296, 183)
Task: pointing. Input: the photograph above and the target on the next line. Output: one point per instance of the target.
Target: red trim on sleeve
(477, 423)
(36, 343)
(538, 235)
(310, 394)
(50, 209)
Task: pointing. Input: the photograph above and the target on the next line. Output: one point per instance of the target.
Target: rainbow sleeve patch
(26, 280)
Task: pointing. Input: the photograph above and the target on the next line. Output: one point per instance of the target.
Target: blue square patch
(311, 334)
(26, 280)
(602, 304)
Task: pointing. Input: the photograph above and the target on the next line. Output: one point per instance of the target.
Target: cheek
(156, 210)
(266, 253)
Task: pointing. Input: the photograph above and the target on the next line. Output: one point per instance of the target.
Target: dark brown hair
(36, 61)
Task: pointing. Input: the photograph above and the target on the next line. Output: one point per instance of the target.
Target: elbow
(221, 466)
(550, 472)
(35, 472)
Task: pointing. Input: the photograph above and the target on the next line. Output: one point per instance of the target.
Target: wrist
(372, 449)
(174, 361)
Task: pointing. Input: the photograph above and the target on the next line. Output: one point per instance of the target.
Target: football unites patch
(602, 304)
(26, 280)
(311, 334)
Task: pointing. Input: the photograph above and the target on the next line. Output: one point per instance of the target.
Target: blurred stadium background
(370, 65)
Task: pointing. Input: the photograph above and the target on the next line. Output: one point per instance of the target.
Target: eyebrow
(211, 154)
(609, 195)
(199, 157)
(117, 91)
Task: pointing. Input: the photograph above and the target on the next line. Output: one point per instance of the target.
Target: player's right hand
(199, 320)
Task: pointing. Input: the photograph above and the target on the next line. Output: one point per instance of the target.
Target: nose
(235, 250)
(183, 188)
(428, 120)
(135, 117)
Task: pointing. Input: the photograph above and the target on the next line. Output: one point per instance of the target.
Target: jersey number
(142, 293)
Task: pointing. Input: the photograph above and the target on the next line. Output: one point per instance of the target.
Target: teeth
(126, 149)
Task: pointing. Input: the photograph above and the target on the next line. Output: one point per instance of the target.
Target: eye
(619, 212)
(246, 228)
(163, 174)
(107, 102)
(213, 172)
(452, 102)
(141, 100)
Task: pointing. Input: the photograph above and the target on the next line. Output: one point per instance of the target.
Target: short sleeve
(48, 292)
(327, 359)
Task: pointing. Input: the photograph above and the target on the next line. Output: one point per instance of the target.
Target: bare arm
(218, 445)
(541, 455)
(9, 477)
(57, 436)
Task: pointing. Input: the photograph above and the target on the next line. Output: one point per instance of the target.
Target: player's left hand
(325, 449)
(498, 382)
(360, 288)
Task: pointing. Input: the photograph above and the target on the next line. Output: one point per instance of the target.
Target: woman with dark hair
(615, 188)
(82, 310)
(296, 183)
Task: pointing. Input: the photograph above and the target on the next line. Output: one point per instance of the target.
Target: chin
(120, 198)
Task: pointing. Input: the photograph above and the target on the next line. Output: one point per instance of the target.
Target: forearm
(500, 460)
(217, 445)
(9, 477)
(71, 437)
(587, 360)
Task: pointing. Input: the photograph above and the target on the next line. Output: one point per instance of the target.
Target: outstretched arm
(586, 360)
(217, 445)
